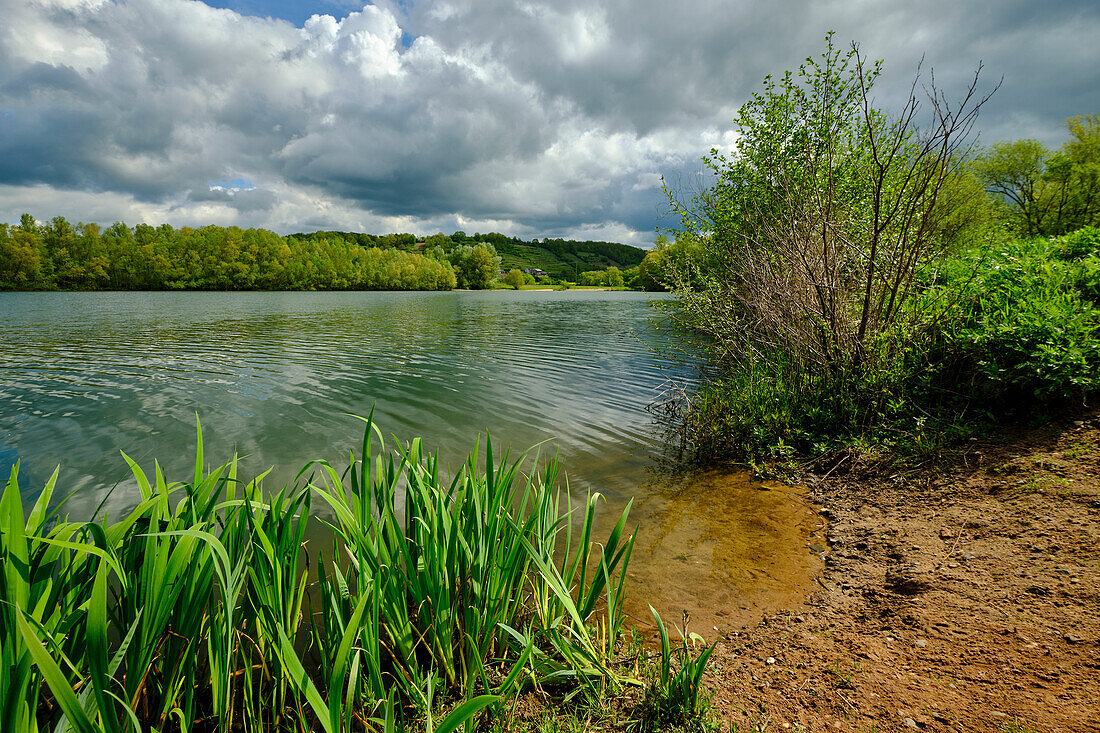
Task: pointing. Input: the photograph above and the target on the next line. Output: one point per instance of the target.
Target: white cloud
(527, 116)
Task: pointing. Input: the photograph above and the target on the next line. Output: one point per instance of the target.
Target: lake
(278, 377)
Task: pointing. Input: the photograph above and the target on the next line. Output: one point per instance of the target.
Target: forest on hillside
(61, 255)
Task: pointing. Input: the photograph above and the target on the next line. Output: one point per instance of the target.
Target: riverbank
(960, 595)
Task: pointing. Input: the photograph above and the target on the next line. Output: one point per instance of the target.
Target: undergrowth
(1011, 331)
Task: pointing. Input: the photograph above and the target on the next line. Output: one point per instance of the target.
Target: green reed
(200, 609)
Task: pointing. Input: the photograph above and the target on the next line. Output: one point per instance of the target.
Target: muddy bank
(961, 596)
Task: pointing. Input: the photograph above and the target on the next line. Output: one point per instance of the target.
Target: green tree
(651, 271)
(440, 240)
(592, 278)
(475, 266)
(802, 258)
(1082, 152)
(1015, 172)
(614, 277)
(812, 233)
(1044, 192)
(480, 268)
(515, 279)
(20, 257)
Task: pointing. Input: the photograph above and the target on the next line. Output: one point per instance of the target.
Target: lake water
(277, 377)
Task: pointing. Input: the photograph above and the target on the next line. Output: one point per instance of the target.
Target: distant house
(535, 272)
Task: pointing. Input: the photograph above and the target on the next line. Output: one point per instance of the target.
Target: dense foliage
(66, 256)
(1016, 335)
(1022, 327)
(857, 283)
(515, 279)
(562, 259)
(475, 265)
(612, 277)
(191, 613)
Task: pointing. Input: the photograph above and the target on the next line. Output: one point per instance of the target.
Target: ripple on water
(274, 377)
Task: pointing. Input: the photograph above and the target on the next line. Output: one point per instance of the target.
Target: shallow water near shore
(278, 377)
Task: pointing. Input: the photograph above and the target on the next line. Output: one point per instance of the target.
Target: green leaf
(59, 685)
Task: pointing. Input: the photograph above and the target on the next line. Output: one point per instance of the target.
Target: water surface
(277, 377)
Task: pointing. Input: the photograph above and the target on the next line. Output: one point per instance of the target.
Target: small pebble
(911, 723)
(921, 643)
(769, 660)
(1072, 639)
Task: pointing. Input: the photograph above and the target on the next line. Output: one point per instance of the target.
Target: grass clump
(674, 696)
(201, 609)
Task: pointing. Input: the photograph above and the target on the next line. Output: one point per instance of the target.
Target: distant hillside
(558, 257)
(561, 258)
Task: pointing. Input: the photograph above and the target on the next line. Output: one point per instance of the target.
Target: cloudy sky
(529, 117)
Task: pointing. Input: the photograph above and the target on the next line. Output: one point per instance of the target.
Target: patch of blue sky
(290, 10)
(238, 184)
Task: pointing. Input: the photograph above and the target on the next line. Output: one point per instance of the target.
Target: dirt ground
(963, 596)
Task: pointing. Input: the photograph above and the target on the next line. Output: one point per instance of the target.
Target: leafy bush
(801, 261)
(1021, 331)
(1010, 327)
(515, 279)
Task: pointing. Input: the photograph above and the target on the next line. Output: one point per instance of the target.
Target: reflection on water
(276, 376)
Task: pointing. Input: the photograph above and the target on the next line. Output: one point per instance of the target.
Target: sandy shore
(959, 596)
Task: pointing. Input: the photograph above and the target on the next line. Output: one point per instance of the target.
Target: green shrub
(1008, 328)
(514, 279)
(1078, 245)
(1023, 328)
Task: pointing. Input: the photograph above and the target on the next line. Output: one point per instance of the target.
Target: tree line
(62, 255)
(624, 254)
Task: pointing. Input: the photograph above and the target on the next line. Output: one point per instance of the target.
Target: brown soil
(960, 596)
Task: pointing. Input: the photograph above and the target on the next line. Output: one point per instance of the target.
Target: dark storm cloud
(646, 64)
(533, 117)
